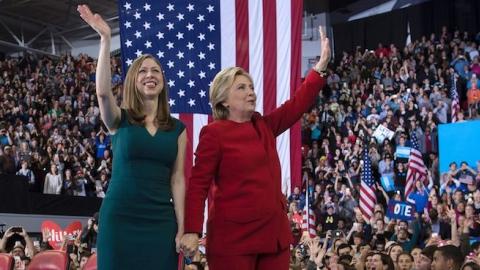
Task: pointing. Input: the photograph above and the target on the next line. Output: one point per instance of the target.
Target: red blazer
(248, 213)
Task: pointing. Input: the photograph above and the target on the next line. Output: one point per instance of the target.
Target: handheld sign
(56, 235)
(402, 152)
(401, 210)
(381, 133)
(387, 182)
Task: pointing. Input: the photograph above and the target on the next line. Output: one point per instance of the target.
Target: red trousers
(277, 261)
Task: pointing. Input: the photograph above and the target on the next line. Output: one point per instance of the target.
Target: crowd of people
(409, 92)
(50, 130)
(79, 247)
(51, 133)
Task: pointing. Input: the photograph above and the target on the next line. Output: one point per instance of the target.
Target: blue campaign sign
(387, 182)
(401, 210)
(402, 152)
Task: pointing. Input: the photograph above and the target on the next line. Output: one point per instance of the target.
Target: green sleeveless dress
(137, 223)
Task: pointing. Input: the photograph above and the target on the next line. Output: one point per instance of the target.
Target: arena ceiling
(36, 25)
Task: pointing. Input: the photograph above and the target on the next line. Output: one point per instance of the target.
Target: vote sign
(401, 210)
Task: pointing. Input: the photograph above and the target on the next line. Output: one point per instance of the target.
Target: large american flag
(367, 187)
(195, 39)
(454, 97)
(416, 170)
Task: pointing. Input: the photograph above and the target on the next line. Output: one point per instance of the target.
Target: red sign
(56, 235)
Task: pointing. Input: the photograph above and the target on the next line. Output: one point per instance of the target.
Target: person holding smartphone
(20, 236)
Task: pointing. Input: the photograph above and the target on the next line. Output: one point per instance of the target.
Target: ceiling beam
(11, 32)
(36, 36)
(23, 48)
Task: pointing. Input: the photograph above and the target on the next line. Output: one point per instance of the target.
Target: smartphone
(16, 229)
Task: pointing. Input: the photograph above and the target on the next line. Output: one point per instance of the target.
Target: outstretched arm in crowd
(3, 241)
(109, 109)
(430, 180)
(316, 253)
(453, 220)
(385, 195)
(349, 180)
(337, 178)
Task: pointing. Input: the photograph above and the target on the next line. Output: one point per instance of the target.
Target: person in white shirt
(53, 181)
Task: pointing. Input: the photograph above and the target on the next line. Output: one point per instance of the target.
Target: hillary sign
(401, 210)
(382, 133)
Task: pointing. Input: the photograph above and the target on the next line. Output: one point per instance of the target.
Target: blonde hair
(133, 102)
(219, 90)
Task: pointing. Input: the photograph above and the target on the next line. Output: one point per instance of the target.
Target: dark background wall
(424, 19)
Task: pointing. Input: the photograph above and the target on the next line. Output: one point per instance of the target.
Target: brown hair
(132, 100)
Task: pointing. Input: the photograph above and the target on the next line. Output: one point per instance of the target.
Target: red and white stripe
(416, 171)
(264, 38)
(308, 222)
(367, 200)
(455, 109)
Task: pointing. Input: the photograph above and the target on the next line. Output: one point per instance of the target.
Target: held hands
(189, 244)
(326, 52)
(95, 21)
(178, 238)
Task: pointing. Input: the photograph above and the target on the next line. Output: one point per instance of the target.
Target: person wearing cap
(330, 218)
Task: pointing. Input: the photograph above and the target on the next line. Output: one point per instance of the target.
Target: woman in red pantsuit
(247, 226)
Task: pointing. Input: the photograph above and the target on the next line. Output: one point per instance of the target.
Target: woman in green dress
(141, 218)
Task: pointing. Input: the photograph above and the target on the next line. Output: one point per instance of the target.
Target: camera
(302, 250)
(337, 233)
